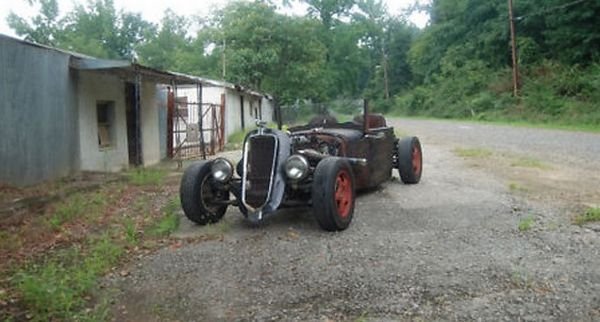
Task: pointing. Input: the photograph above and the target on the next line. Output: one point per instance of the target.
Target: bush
(551, 92)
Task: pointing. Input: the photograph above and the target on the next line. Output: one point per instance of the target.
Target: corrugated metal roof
(126, 68)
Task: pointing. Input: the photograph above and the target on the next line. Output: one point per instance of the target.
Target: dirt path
(448, 248)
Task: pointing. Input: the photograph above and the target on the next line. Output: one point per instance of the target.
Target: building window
(105, 112)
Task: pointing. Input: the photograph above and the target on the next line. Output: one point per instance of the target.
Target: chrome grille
(259, 169)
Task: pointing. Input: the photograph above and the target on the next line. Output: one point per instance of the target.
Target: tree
(44, 28)
(99, 30)
(96, 29)
(328, 10)
(163, 49)
(269, 51)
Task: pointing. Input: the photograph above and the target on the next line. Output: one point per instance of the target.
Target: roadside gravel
(448, 248)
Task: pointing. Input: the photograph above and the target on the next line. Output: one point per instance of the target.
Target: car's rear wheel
(201, 200)
(410, 159)
(333, 194)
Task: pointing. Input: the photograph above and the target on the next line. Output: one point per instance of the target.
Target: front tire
(410, 159)
(333, 194)
(201, 200)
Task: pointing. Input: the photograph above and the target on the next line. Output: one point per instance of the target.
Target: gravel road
(448, 248)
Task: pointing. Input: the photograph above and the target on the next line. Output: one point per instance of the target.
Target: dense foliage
(458, 66)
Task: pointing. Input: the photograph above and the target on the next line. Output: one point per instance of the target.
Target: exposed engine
(317, 145)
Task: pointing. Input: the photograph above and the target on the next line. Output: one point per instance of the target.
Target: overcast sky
(153, 10)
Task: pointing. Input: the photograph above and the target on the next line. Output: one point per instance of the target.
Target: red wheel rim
(343, 193)
(416, 160)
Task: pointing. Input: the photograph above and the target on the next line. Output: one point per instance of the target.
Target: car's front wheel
(202, 201)
(410, 159)
(333, 194)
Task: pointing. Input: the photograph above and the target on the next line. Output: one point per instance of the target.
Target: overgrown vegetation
(552, 93)
(78, 206)
(590, 215)
(57, 287)
(461, 63)
(52, 260)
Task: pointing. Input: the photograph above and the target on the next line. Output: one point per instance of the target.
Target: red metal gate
(195, 129)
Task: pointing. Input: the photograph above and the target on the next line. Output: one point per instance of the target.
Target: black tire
(198, 195)
(239, 167)
(410, 159)
(333, 207)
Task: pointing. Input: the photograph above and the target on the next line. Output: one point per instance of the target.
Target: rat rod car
(321, 164)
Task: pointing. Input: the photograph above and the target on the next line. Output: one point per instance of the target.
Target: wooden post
(513, 42)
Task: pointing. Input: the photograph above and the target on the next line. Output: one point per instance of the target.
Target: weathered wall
(94, 87)
(232, 112)
(268, 108)
(149, 124)
(38, 114)
(161, 99)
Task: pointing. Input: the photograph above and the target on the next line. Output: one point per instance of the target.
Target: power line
(563, 6)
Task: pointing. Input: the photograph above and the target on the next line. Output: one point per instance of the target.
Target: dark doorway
(132, 112)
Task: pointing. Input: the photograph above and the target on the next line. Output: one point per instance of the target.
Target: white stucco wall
(232, 113)
(149, 124)
(268, 110)
(94, 87)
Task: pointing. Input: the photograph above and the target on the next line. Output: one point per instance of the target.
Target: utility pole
(224, 58)
(385, 76)
(515, 64)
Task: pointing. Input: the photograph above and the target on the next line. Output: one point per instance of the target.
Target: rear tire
(410, 159)
(333, 194)
(200, 198)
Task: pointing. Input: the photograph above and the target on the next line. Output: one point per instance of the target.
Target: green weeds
(516, 187)
(527, 162)
(147, 176)
(78, 206)
(472, 152)
(526, 223)
(58, 287)
(169, 222)
(590, 215)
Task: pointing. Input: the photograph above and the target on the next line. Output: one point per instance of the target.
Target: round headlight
(296, 167)
(222, 170)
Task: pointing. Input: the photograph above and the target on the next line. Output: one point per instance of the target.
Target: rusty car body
(321, 164)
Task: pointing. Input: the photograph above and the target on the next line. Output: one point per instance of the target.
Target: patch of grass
(130, 231)
(87, 205)
(56, 289)
(515, 187)
(146, 176)
(236, 139)
(529, 163)
(472, 152)
(590, 215)
(169, 222)
(526, 223)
